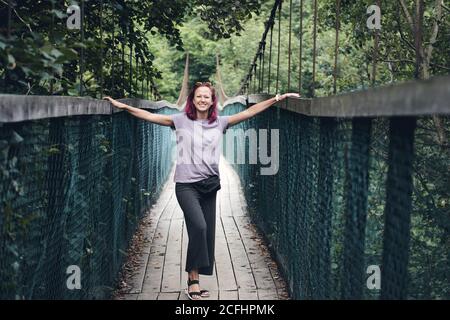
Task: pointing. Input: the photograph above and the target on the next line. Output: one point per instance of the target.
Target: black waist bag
(207, 185)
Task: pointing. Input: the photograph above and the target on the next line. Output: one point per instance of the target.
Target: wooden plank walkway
(243, 267)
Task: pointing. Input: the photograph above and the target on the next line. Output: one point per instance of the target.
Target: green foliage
(41, 56)
(235, 56)
(225, 17)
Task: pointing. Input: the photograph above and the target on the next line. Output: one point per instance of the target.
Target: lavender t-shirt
(198, 147)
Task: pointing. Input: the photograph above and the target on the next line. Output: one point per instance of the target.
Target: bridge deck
(243, 270)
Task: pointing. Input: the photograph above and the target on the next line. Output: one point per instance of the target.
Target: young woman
(199, 130)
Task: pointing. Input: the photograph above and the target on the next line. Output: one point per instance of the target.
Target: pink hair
(190, 108)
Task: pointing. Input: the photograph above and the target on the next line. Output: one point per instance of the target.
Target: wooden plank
(153, 277)
(164, 197)
(185, 239)
(258, 258)
(137, 281)
(234, 190)
(183, 295)
(209, 282)
(15, 108)
(225, 204)
(264, 269)
(157, 209)
(172, 262)
(247, 294)
(214, 295)
(168, 295)
(420, 97)
(170, 209)
(228, 295)
(224, 266)
(148, 296)
(238, 187)
(150, 221)
(178, 213)
(146, 104)
(414, 98)
(236, 207)
(241, 264)
(266, 294)
(162, 233)
(129, 296)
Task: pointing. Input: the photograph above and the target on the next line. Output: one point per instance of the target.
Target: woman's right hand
(115, 103)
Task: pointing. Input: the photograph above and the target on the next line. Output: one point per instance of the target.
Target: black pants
(200, 216)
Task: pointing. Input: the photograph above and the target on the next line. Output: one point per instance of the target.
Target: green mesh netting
(72, 191)
(350, 194)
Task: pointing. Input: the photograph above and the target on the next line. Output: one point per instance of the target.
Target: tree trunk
(423, 57)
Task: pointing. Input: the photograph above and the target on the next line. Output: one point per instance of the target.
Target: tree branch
(445, 7)
(407, 15)
(402, 36)
(12, 7)
(434, 32)
(412, 61)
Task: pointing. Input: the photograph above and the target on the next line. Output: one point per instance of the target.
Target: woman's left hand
(289, 95)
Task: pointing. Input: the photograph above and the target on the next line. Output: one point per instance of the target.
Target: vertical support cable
(251, 81)
(8, 36)
(8, 31)
(418, 24)
(142, 79)
(300, 49)
(263, 64)
(260, 67)
(51, 38)
(278, 58)
(137, 75)
(254, 77)
(113, 37)
(101, 49)
(375, 52)
(82, 49)
(122, 40)
(313, 87)
(289, 46)
(131, 70)
(336, 45)
(279, 45)
(270, 55)
(257, 68)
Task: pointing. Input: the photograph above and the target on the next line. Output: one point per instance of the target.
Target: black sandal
(194, 295)
(204, 293)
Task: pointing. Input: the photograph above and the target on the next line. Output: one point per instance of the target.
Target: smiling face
(203, 99)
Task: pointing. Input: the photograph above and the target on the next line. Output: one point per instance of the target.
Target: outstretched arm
(162, 119)
(257, 108)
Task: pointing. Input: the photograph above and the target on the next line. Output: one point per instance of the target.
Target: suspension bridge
(82, 183)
